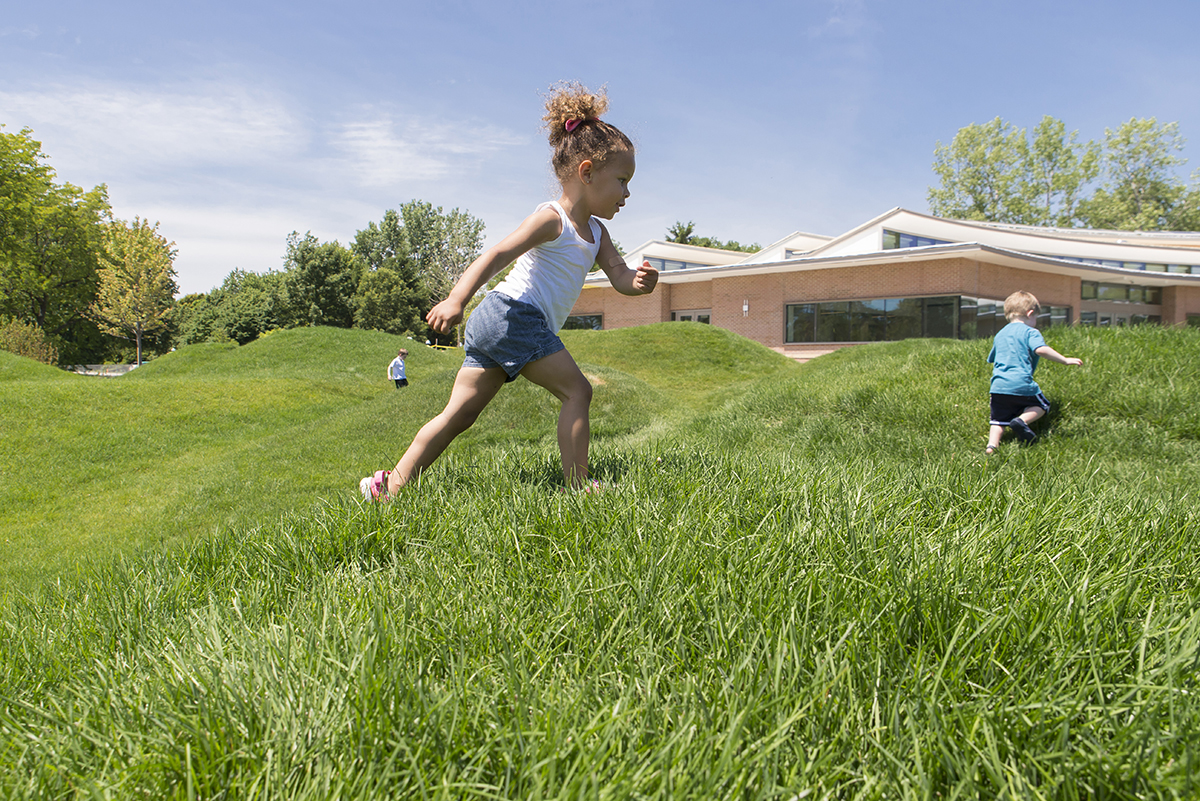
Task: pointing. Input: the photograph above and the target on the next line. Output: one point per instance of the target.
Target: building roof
(1090, 255)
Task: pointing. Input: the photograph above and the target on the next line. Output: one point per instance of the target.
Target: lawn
(799, 581)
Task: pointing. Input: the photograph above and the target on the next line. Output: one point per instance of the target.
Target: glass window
(801, 325)
(1087, 290)
(592, 322)
(989, 318)
(940, 317)
(1087, 318)
(1193, 320)
(691, 315)
(1156, 268)
(833, 322)
(891, 240)
(1137, 294)
(1178, 268)
(904, 319)
(1112, 292)
(1153, 294)
(868, 320)
(968, 325)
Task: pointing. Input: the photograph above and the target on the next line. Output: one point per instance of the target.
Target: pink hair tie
(572, 125)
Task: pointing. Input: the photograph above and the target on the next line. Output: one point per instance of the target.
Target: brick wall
(1178, 302)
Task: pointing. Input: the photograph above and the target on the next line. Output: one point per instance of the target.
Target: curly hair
(576, 131)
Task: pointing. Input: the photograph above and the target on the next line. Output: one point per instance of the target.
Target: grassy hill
(799, 581)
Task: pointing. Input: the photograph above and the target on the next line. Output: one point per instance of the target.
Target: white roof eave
(987, 253)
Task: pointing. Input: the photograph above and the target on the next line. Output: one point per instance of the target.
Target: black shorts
(1006, 407)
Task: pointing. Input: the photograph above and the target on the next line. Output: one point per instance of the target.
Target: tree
(1141, 192)
(441, 246)
(993, 172)
(1056, 172)
(321, 279)
(681, 232)
(137, 283)
(684, 234)
(390, 296)
(981, 172)
(50, 242)
(26, 339)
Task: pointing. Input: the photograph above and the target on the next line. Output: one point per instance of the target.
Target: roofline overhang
(969, 250)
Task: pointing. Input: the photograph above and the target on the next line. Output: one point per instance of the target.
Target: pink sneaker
(589, 488)
(374, 488)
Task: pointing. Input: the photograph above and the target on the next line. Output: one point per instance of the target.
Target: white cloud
(138, 131)
(28, 32)
(230, 170)
(384, 152)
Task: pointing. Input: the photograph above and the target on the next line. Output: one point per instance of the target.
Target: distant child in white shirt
(1017, 400)
(396, 369)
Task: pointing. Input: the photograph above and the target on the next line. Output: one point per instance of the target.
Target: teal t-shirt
(1014, 358)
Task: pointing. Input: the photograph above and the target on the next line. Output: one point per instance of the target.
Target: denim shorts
(1006, 407)
(508, 334)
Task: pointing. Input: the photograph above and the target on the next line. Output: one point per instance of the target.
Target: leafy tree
(390, 296)
(321, 279)
(50, 241)
(681, 232)
(1057, 171)
(441, 245)
(981, 173)
(684, 234)
(26, 339)
(994, 172)
(137, 283)
(1141, 190)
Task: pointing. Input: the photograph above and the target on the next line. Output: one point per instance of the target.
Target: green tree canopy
(1141, 190)
(137, 282)
(390, 296)
(441, 245)
(321, 279)
(50, 240)
(683, 233)
(995, 172)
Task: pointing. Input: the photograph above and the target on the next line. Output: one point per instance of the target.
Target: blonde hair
(576, 131)
(1019, 304)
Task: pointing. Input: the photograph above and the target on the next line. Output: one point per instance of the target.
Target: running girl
(514, 330)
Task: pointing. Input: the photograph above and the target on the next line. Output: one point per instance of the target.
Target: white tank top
(550, 276)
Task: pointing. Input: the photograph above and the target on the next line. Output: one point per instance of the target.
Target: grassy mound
(810, 584)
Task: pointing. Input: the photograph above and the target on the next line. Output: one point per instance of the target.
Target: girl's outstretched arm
(537, 229)
(625, 279)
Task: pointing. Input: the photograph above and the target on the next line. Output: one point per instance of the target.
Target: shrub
(26, 339)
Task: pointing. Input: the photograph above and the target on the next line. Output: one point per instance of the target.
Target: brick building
(905, 274)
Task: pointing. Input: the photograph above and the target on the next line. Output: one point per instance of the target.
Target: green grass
(800, 581)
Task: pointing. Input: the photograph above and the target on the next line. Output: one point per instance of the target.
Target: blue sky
(235, 123)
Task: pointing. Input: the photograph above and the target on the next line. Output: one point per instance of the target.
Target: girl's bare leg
(559, 375)
(474, 388)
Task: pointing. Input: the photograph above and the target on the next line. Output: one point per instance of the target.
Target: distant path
(803, 353)
(106, 370)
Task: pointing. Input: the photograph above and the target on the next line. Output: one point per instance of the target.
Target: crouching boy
(1017, 400)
